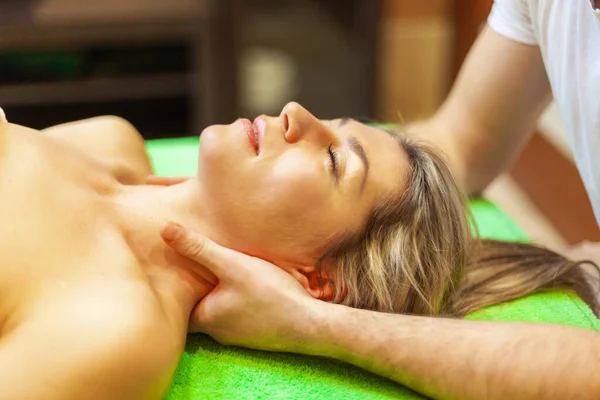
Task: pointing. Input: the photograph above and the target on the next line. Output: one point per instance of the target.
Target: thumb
(200, 249)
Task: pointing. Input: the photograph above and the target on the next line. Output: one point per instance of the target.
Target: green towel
(208, 370)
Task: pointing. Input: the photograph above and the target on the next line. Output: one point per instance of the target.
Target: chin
(211, 139)
(213, 156)
(225, 144)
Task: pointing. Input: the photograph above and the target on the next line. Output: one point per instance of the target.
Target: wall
(416, 58)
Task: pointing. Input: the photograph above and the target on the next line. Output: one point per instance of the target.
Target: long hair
(419, 254)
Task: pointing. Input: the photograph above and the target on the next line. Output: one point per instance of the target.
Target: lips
(255, 132)
(251, 133)
(259, 129)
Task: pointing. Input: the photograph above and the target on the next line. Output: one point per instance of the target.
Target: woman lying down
(93, 304)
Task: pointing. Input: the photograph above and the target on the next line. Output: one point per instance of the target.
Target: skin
(101, 308)
(110, 141)
(493, 107)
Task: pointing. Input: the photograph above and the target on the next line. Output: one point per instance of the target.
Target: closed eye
(333, 161)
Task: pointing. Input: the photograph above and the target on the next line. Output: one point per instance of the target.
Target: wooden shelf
(121, 11)
(73, 23)
(96, 90)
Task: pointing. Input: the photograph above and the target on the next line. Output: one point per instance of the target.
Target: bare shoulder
(10, 134)
(93, 349)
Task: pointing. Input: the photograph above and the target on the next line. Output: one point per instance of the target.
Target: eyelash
(333, 156)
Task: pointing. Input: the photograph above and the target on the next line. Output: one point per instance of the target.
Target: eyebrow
(358, 149)
(344, 121)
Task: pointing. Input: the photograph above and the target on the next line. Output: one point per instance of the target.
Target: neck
(142, 211)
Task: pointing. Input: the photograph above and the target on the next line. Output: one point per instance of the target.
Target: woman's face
(302, 183)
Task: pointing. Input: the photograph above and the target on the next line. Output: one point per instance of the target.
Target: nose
(300, 124)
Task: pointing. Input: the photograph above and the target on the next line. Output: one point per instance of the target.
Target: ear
(320, 286)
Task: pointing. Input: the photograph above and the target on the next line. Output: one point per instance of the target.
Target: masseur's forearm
(458, 359)
(439, 134)
(493, 107)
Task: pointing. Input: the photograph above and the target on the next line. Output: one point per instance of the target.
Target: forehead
(389, 164)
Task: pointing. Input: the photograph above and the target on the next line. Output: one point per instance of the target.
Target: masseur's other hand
(588, 251)
(255, 304)
(583, 251)
(165, 180)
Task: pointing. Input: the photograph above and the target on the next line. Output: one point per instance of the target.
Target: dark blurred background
(172, 67)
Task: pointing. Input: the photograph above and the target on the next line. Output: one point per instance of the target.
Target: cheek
(275, 208)
(296, 183)
(296, 193)
(270, 208)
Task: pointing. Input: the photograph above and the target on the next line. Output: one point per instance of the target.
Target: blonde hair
(417, 253)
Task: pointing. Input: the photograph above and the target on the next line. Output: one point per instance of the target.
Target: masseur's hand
(258, 305)
(588, 251)
(583, 251)
(255, 304)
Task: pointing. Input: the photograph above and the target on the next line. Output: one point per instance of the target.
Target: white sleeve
(511, 18)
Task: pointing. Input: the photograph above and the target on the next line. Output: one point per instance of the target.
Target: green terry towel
(208, 370)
